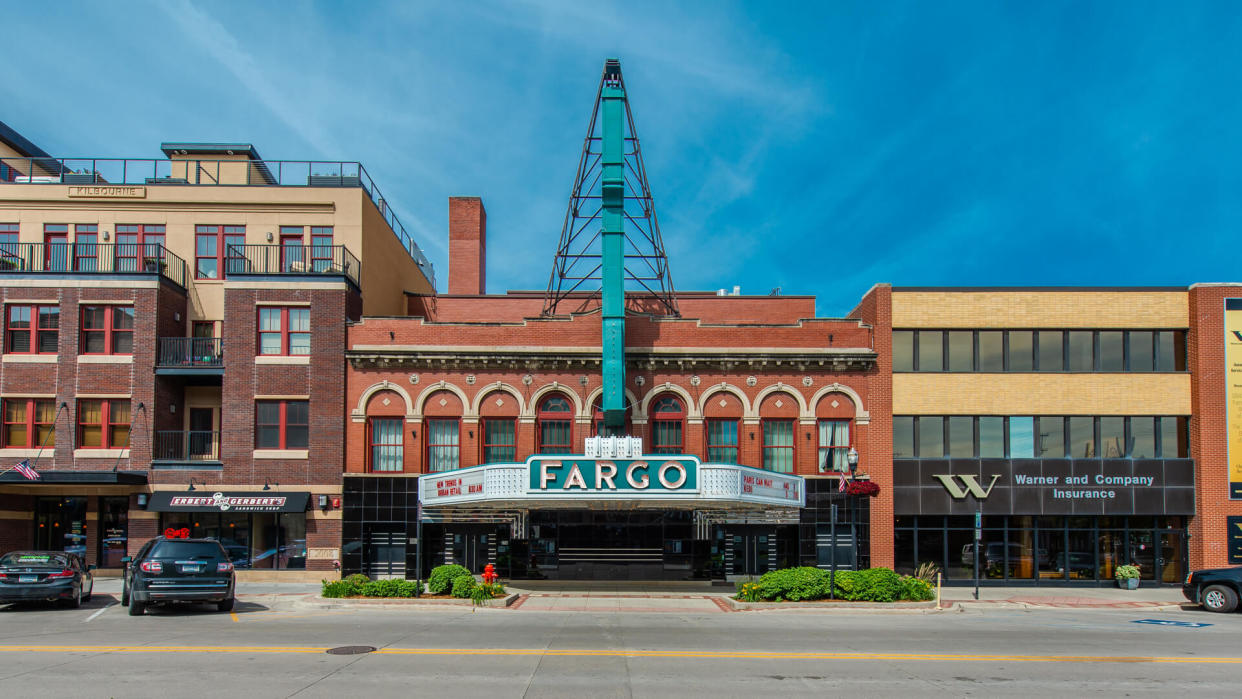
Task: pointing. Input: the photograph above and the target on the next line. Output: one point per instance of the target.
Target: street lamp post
(852, 458)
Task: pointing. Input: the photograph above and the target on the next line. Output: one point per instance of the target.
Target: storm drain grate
(351, 650)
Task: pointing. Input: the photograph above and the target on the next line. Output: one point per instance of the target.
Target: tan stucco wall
(1040, 309)
(1041, 394)
(262, 210)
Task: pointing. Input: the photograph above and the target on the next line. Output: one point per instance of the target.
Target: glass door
(1143, 553)
(60, 525)
(1170, 558)
(750, 553)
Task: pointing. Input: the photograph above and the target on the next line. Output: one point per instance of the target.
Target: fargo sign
(655, 474)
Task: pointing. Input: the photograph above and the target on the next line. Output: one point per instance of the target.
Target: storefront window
(1112, 437)
(113, 531)
(1142, 437)
(261, 540)
(60, 525)
(1082, 438)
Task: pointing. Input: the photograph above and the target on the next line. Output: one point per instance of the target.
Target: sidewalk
(1067, 597)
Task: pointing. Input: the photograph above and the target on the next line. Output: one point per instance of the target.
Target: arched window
(668, 422)
(597, 421)
(386, 443)
(556, 419)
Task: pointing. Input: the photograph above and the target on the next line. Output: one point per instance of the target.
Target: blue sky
(820, 148)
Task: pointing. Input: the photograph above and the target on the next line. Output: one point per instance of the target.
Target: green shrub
(441, 579)
(463, 586)
(915, 589)
(357, 579)
(1126, 572)
(386, 588)
(877, 585)
(794, 584)
(339, 588)
(748, 591)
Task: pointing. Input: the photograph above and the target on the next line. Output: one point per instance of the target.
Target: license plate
(27, 578)
(191, 569)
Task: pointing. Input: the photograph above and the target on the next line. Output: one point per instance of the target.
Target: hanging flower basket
(860, 488)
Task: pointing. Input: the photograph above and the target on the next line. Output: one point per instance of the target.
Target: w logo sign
(969, 484)
(1238, 334)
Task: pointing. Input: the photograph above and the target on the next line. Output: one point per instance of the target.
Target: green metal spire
(611, 236)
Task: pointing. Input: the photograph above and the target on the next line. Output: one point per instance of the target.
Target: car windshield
(18, 558)
(185, 549)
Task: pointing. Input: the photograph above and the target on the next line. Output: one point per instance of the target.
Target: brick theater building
(174, 331)
(470, 378)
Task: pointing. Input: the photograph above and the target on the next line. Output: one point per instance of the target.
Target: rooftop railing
(92, 258)
(117, 172)
(291, 259)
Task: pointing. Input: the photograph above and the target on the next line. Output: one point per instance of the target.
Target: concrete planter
(339, 602)
(1128, 583)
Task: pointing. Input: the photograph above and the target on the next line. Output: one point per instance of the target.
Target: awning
(196, 501)
(108, 477)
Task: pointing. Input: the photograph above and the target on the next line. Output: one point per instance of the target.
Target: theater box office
(260, 530)
(1044, 521)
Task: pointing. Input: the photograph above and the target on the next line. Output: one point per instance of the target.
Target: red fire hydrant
(489, 574)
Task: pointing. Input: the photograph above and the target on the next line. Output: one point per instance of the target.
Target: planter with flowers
(1127, 577)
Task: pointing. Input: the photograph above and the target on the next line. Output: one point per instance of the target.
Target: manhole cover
(351, 650)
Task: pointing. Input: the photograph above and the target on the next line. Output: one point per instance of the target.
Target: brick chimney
(467, 246)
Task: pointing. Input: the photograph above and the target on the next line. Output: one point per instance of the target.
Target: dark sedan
(1217, 589)
(51, 576)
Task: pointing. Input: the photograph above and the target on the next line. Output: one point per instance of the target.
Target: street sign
(1167, 622)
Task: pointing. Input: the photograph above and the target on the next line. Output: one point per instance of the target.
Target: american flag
(841, 484)
(23, 467)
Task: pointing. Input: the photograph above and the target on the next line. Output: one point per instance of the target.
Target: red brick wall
(1208, 438)
(876, 309)
(515, 306)
(467, 246)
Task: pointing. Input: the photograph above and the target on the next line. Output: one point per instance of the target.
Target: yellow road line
(702, 655)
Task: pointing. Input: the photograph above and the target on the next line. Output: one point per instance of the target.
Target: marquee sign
(652, 474)
(655, 480)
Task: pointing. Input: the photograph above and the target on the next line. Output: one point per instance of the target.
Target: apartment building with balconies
(174, 334)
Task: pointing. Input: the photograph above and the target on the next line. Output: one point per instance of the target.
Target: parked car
(178, 570)
(58, 576)
(1217, 589)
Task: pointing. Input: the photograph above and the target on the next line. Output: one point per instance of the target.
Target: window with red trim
(85, 250)
(668, 421)
(386, 444)
(292, 249)
(778, 445)
(284, 330)
(56, 247)
(31, 329)
(597, 422)
(139, 248)
(722, 446)
(834, 446)
(107, 330)
(321, 249)
(103, 424)
(499, 440)
(29, 423)
(443, 437)
(555, 425)
(281, 424)
(219, 251)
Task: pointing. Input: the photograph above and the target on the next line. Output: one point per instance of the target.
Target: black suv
(1217, 589)
(178, 570)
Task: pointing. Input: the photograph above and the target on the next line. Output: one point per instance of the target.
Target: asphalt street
(275, 646)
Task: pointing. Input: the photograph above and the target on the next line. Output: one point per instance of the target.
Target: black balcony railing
(206, 172)
(92, 258)
(186, 446)
(191, 352)
(291, 259)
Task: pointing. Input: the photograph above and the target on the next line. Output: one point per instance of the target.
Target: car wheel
(226, 605)
(76, 601)
(1218, 598)
(136, 608)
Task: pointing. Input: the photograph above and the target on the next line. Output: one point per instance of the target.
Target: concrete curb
(833, 605)
(317, 602)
